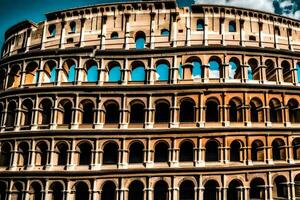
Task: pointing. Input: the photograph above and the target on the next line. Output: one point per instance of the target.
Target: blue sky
(14, 11)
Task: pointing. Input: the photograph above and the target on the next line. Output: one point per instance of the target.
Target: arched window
(18, 191)
(280, 189)
(278, 149)
(212, 110)
(5, 155)
(140, 40)
(187, 111)
(236, 110)
(212, 151)
(296, 149)
(186, 190)
(275, 110)
(2, 79)
(294, 111)
(161, 190)
(136, 191)
(235, 151)
(161, 152)
(27, 112)
(138, 72)
(72, 26)
(214, 68)
(234, 69)
(256, 110)
(232, 26)
(162, 112)
(298, 71)
(109, 191)
(3, 189)
(11, 114)
(186, 152)
(210, 190)
(253, 72)
(234, 193)
(41, 154)
(62, 154)
(82, 191)
(110, 153)
(200, 25)
(57, 191)
(45, 112)
(114, 73)
(270, 71)
(85, 154)
(92, 71)
(137, 113)
(52, 30)
(23, 151)
(31, 73)
(65, 116)
(36, 191)
(257, 189)
(14, 76)
(88, 112)
(68, 71)
(197, 69)
(165, 32)
(114, 35)
(257, 151)
(112, 113)
(136, 153)
(297, 186)
(287, 72)
(162, 72)
(49, 72)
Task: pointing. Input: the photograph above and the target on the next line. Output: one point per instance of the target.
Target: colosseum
(151, 101)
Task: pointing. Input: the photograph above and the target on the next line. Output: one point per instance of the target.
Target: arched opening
(136, 191)
(138, 72)
(215, 70)
(297, 186)
(235, 151)
(45, 112)
(11, 114)
(270, 71)
(88, 112)
(232, 26)
(5, 155)
(278, 149)
(294, 112)
(161, 190)
(162, 112)
(234, 69)
(236, 110)
(161, 153)
(23, 151)
(110, 153)
(65, 114)
(296, 148)
(41, 154)
(165, 32)
(275, 110)
(140, 40)
(192, 69)
(85, 153)
(137, 113)
(212, 151)
(298, 72)
(68, 71)
(256, 110)
(280, 189)
(2, 78)
(14, 76)
(36, 191)
(3, 189)
(257, 189)
(186, 190)
(257, 150)
(210, 190)
(17, 193)
(187, 111)
(162, 71)
(91, 71)
(52, 30)
(114, 72)
(82, 191)
(186, 152)
(49, 72)
(234, 190)
(136, 153)
(72, 26)
(31, 73)
(212, 110)
(287, 72)
(114, 35)
(57, 191)
(62, 153)
(27, 106)
(112, 113)
(109, 191)
(200, 25)
(253, 71)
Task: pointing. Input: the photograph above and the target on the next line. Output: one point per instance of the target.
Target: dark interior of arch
(62, 154)
(136, 191)
(5, 155)
(85, 157)
(257, 151)
(161, 190)
(136, 153)
(187, 111)
(186, 152)
(186, 190)
(57, 191)
(233, 192)
(257, 187)
(3, 191)
(112, 113)
(212, 111)
(67, 113)
(161, 153)
(82, 191)
(108, 191)
(235, 149)
(110, 153)
(46, 112)
(162, 112)
(137, 113)
(211, 151)
(210, 190)
(88, 113)
(43, 151)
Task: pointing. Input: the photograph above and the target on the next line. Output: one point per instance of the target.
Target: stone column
(152, 28)
(127, 30)
(261, 33)
(75, 113)
(123, 154)
(289, 150)
(174, 71)
(79, 72)
(50, 155)
(205, 33)
(54, 114)
(201, 111)
(188, 30)
(62, 34)
(125, 72)
(31, 157)
(28, 41)
(174, 29)
(44, 35)
(18, 114)
(174, 151)
(14, 160)
(152, 70)
(149, 112)
(268, 153)
(223, 33)
(198, 154)
(103, 32)
(275, 27)
(124, 113)
(174, 112)
(40, 74)
(71, 156)
(22, 74)
(262, 73)
(102, 72)
(148, 154)
(289, 34)
(242, 32)
(82, 22)
(35, 111)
